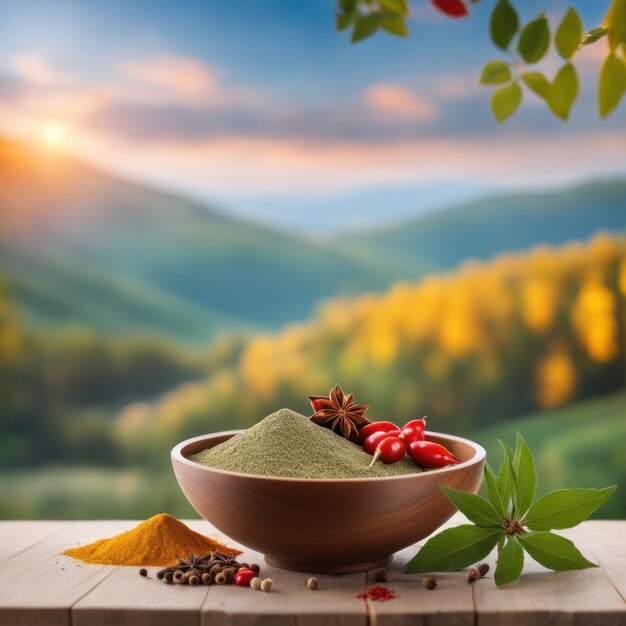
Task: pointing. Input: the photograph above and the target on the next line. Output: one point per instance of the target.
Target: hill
(80, 247)
(576, 446)
(483, 228)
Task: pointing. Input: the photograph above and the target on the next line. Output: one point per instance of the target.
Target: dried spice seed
(256, 583)
(266, 585)
(179, 575)
(473, 574)
(255, 567)
(380, 576)
(143, 572)
(483, 568)
(207, 579)
(429, 582)
(313, 583)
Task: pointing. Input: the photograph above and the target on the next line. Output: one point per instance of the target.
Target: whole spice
(255, 567)
(429, 582)
(143, 572)
(255, 583)
(243, 577)
(375, 427)
(430, 455)
(483, 568)
(339, 412)
(380, 576)
(413, 431)
(473, 574)
(371, 443)
(389, 450)
(313, 583)
(221, 579)
(378, 594)
(266, 585)
(157, 541)
(288, 444)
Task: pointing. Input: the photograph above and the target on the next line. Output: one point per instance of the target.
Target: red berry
(375, 427)
(431, 455)
(244, 576)
(452, 8)
(413, 431)
(372, 442)
(389, 450)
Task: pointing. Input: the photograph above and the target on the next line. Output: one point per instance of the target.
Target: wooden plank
(572, 598)
(604, 541)
(290, 603)
(39, 585)
(124, 597)
(17, 536)
(449, 604)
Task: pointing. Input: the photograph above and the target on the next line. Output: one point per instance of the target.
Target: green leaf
(348, 5)
(616, 22)
(526, 477)
(536, 82)
(395, 24)
(510, 563)
(454, 549)
(569, 34)
(566, 508)
(492, 490)
(563, 91)
(495, 72)
(395, 6)
(506, 479)
(475, 508)
(366, 25)
(505, 101)
(593, 35)
(534, 40)
(553, 551)
(612, 84)
(503, 24)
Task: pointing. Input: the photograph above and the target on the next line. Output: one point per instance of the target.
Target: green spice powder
(291, 445)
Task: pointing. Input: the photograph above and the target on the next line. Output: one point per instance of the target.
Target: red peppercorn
(389, 450)
(244, 576)
(372, 442)
(413, 431)
(431, 455)
(375, 427)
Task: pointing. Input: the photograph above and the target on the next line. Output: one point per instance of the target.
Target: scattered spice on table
(378, 594)
(213, 568)
(159, 541)
(290, 445)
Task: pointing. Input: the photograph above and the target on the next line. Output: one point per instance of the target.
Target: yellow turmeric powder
(159, 540)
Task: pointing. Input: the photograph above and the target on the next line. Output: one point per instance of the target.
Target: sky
(263, 110)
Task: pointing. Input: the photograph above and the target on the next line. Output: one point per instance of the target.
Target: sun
(54, 135)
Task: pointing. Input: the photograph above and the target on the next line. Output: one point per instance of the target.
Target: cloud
(174, 78)
(399, 102)
(35, 70)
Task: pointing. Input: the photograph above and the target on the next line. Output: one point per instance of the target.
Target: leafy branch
(366, 17)
(511, 519)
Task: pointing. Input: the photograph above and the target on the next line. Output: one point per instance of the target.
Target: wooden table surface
(39, 586)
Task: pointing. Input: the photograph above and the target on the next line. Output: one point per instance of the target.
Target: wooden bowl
(322, 526)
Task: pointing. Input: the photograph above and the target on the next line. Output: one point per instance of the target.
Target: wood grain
(17, 536)
(38, 587)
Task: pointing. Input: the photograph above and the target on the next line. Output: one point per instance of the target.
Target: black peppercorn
(143, 572)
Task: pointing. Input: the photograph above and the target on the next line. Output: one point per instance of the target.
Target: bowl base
(326, 568)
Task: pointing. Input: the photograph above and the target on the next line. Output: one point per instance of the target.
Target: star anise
(339, 412)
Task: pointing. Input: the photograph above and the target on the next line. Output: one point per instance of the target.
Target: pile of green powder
(289, 444)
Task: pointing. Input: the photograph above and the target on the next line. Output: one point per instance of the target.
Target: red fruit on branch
(375, 427)
(372, 442)
(452, 8)
(413, 431)
(431, 455)
(389, 450)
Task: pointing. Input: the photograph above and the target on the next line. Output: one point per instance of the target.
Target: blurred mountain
(483, 228)
(80, 247)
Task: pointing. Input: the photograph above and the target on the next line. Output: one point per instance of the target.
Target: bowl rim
(176, 455)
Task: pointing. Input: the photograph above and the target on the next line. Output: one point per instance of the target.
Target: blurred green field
(578, 446)
(567, 445)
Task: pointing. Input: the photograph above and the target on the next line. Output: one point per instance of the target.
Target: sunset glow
(54, 135)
